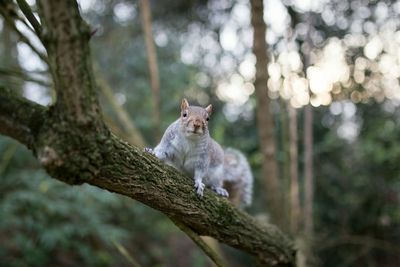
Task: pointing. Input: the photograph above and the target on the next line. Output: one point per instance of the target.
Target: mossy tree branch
(72, 143)
(19, 118)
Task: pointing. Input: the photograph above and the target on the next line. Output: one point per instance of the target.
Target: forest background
(332, 109)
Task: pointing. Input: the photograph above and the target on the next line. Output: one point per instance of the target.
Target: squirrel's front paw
(220, 191)
(199, 188)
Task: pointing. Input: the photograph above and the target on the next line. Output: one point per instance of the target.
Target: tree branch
(23, 75)
(66, 37)
(7, 10)
(20, 118)
(126, 170)
(26, 9)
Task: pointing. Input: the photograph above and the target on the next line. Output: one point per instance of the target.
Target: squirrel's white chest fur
(188, 153)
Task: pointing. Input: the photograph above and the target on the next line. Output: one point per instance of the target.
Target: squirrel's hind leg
(215, 181)
(220, 191)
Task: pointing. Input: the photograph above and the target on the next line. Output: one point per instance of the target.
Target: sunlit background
(361, 65)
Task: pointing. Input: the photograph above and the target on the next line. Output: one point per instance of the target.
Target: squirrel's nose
(197, 123)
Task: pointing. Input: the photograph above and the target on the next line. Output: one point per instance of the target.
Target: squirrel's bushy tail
(238, 178)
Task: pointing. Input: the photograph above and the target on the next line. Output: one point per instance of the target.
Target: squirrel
(188, 146)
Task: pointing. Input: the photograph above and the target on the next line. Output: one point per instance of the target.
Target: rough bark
(72, 143)
(20, 118)
(66, 38)
(265, 123)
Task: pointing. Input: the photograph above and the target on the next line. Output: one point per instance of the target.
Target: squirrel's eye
(184, 114)
(207, 119)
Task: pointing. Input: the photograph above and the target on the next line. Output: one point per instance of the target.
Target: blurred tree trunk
(308, 140)
(265, 123)
(285, 161)
(308, 218)
(308, 171)
(294, 174)
(308, 147)
(153, 68)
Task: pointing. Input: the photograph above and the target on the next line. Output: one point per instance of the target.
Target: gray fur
(199, 156)
(188, 146)
(237, 171)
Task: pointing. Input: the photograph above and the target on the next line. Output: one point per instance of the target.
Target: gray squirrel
(188, 146)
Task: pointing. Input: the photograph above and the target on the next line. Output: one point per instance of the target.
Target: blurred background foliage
(204, 54)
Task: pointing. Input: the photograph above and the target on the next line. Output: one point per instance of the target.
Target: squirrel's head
(194, 120)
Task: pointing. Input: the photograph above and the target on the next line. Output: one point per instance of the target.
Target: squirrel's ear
(185, 104)
(209, 109)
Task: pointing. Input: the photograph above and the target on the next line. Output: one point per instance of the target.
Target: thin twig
(23, 76)
(200, 243)
(23, 21)
(125, 253)
(26, 9)
(10, 20)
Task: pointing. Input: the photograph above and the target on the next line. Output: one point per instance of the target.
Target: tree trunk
(265, 123)
(72, 143)
(308, 142)
(153, 68)
(285, 163)
(308, 217)
(294, 174)
(308, 171)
